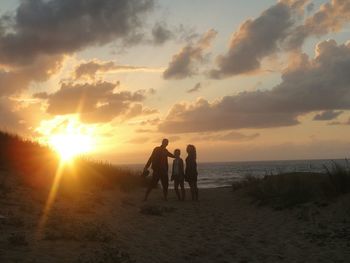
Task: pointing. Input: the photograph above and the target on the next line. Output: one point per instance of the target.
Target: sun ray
(51, 198)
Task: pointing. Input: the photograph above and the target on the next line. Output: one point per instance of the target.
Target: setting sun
(68, 136)
(70, 145)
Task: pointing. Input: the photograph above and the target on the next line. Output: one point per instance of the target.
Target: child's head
(177, 153)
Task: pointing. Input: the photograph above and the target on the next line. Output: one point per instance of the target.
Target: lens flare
(69, 145)
(68, 137)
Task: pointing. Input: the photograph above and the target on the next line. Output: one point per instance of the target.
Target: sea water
(221, 174)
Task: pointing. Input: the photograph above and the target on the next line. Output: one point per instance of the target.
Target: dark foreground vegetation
(71, 221)
(291, 189)
(36, 165)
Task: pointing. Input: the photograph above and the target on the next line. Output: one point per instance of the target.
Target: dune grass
(291, 189)
(35, 165)
(339, 176)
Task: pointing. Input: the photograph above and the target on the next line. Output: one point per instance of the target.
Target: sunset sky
(241, 80)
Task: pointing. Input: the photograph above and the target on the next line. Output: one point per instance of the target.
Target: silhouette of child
(178, 175)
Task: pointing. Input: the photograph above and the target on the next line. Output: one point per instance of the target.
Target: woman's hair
(191, 150)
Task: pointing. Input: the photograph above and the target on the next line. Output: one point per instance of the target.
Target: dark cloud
(327, 115)
(17, 79)
(182, 63)
(161, 33)
(65, 26)
(96, 102)
(310, 7)
(196, 87)
(257, 39)
(171, 140)
(231, 137)
(35, 39)
(308, 85)
(340, 122)
(91, 68)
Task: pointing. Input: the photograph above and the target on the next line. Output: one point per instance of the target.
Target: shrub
(339, 176)
(287, 190)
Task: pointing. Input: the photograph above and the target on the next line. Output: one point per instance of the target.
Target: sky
(241, 80)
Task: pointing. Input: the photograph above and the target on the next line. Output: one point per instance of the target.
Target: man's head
(165, 143)
(177, 153)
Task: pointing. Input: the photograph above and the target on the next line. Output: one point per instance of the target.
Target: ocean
(221, 174)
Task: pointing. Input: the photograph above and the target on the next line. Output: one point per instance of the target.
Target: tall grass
(339, 176)
(36, 165)
(290, 189)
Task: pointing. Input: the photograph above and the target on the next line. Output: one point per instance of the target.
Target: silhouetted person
(178, 175)
(159, 161)
(191, 173)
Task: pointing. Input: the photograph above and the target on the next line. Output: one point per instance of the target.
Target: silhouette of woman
(191, 173)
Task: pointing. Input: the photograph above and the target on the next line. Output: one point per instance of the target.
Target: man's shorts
(162, 176)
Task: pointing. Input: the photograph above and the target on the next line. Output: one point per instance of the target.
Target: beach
(116, 226)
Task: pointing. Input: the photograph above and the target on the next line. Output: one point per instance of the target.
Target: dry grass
(35, 165)
(290, 189)
(339, 176)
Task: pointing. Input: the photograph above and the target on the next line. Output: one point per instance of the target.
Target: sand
(224, 226)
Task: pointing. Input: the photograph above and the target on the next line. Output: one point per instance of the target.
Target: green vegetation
(287, 190)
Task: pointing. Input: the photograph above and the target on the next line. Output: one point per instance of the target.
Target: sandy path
(225, 227)
(222, 227)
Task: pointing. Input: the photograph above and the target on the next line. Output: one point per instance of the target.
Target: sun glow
(70, 145)
(68, 137)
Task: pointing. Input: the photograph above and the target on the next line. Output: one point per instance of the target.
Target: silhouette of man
(159, 161)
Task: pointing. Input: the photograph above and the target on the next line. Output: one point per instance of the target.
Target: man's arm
(169, 154)
(148, 164)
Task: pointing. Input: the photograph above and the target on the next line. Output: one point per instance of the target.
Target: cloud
(91, 68)
(138, 140)
(256, 39)
(64, 26)
(279, 28)
(340, 122)
(96, 102)
(17, 79)
(196, 87)
(230, 137)
(19, 116)
(35, 39)
(171, 140)
(161, 33)
(308, 85)
(138, 109)
(182, 64)
(9, 119)
(151, 122)
(327, 115)
(141, 130)
(331, 17)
